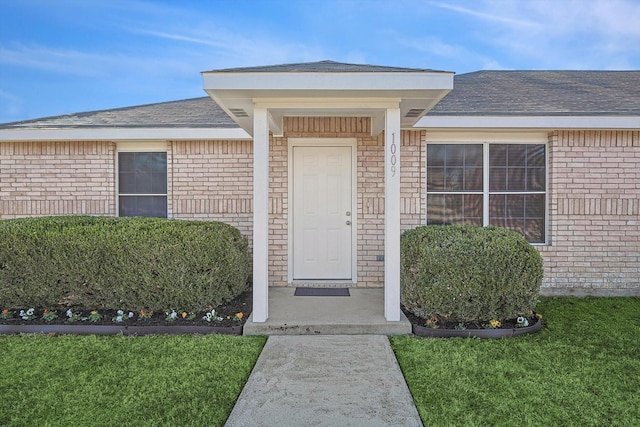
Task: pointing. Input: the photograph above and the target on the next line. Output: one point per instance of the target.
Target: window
(488, 184)
(142, 184)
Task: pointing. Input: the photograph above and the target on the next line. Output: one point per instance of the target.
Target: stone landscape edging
(119, 330)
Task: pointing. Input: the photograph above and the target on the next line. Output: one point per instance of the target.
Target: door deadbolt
(348, 213)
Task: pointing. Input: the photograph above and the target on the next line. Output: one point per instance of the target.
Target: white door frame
(325, 142)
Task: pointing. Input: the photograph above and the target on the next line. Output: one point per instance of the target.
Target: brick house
(322, 165)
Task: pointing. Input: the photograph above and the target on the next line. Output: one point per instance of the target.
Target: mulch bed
(508, 328)
(230, 323)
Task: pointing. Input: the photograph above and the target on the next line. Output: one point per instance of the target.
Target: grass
(582, 369)
(117, 380)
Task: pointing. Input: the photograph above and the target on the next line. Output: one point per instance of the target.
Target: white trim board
(529, 122)
(109, 134)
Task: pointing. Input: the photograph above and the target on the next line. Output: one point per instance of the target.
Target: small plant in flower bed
(27, 314)
(48, 315)
(94, 316)
(211, 316)
(145, 314)
(73, 316)
(173, 315)
(121, 316)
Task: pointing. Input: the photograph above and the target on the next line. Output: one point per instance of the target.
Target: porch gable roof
(325, 66)
(326, 88)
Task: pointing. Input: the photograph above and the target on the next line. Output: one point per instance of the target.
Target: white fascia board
(529, 122)
(327, 81)
(114, 134)
(349, 103)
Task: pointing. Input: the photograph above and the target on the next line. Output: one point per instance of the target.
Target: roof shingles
(189, 113)
(322, 67)
(543, 93)
(481, 93)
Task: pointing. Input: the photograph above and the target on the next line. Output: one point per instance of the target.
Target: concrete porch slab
(362, 313)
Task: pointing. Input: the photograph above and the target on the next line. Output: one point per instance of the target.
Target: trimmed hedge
(120, 263)
(467, 273)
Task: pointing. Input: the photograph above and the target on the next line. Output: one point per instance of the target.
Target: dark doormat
(322, 292)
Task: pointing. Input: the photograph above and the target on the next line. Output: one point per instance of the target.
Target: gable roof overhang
(195, 118)
(540, 100)
(325, 89)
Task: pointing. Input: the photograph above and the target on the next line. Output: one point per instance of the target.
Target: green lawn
(582, 369)
(117, 381)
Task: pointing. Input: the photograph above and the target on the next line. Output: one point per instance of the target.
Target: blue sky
(66, 56)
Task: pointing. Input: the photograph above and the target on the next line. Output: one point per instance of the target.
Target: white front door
(322, 212)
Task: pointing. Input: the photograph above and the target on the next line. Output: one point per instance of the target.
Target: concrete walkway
(325, 380)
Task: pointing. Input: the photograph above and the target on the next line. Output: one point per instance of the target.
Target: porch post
(392, 215)
(260, 215)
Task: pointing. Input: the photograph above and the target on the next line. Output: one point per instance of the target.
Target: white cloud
(559, 34)
(42, 58)
(492, 15)
(182, 38)
(82, 64)
(439, 51)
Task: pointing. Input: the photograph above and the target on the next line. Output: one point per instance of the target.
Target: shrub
(120, 263)
(467, 273)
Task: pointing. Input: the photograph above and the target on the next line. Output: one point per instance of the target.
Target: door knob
(348, 222)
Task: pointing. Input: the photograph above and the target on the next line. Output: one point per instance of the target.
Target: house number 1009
(393, 154)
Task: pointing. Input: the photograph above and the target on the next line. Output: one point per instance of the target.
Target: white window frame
(139, 147)
(487, 140)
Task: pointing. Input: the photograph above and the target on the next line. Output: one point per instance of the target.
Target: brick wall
(370, 197)
(57, 178)
(413, 179)
(309, 127)
(212, 180)
(370, 185)
(594, 195)
(370, 205)
(278, 211)
(594, 212)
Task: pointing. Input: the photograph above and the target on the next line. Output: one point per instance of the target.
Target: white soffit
(326, 94)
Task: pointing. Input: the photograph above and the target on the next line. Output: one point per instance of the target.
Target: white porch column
(392, 215)
(260, 215)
